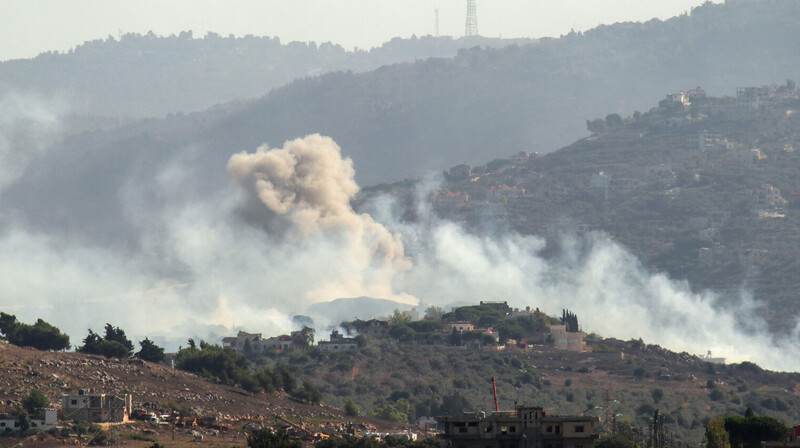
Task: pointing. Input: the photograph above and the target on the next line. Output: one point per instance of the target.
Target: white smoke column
(605, 285)
(309, 184)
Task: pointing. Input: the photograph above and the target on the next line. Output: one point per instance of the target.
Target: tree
(303, 338)
(613, 121)
(434, 313)
(150, 351)
(308, 392)
(716, 435)
(116, 334)
(657, 394)
(596, 126)
(265, 438)
(41, 335)
(569, 319)
(750, 432)
(399, 318)
(34, 401)
(351, 409)
(23, 419)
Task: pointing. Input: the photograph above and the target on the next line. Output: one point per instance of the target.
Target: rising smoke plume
(283, 236)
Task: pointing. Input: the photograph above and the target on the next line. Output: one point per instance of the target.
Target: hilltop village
(488, 324)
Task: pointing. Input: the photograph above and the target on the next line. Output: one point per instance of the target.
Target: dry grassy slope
(57, 373)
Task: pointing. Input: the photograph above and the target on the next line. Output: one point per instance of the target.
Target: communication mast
(471, 28)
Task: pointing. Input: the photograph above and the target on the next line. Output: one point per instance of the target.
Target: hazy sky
(28, 27)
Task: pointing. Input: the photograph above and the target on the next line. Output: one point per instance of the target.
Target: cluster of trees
(746, 431)
(41, 335)
(44, 336)
(115, 344)
(569, 319)
(231, 368)
(599, 125)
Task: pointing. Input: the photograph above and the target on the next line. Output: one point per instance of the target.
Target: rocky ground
(153, 386)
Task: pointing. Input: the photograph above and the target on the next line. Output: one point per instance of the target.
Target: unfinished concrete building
(99, 408)
(525, 427)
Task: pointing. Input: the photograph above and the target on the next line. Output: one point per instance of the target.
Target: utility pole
(471, 28)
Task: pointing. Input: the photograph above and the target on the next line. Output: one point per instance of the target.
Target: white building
(44, 420)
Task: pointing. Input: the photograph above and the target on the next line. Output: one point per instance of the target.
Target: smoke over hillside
(283, 235)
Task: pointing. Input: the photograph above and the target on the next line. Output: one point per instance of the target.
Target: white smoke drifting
(284, 236)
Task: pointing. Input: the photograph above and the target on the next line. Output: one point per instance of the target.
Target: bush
(351, 409)
(716, 395)
(35, 400)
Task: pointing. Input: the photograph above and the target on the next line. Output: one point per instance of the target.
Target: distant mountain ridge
(138, 76)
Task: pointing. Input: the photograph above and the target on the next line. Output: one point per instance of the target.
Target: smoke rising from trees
(283, 235)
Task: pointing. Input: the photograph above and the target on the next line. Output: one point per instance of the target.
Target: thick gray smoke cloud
(309, 183)
(283, 236)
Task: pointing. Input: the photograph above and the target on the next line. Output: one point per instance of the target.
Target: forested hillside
(137, 76)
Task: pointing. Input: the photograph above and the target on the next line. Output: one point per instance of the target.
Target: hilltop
(137, 76)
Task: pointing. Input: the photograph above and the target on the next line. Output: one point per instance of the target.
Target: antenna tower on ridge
(472, 19)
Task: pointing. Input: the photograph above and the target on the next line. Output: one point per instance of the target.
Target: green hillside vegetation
(405, 381)
(708, 180)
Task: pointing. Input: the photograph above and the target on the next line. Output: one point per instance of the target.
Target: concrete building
(338, 343)
(374, 328)
(246, 343)
(498, 306)
(565, 340)
(460, 327)
(98, 408)
(525, 427)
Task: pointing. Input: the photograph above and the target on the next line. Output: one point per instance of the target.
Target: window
(74, 402)
(503, 429)
(2, 424)
(549, 429)
(488, 429)
(462, 429)
(512, 429)
(472, 424)
(558, 430)
(578, 428)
